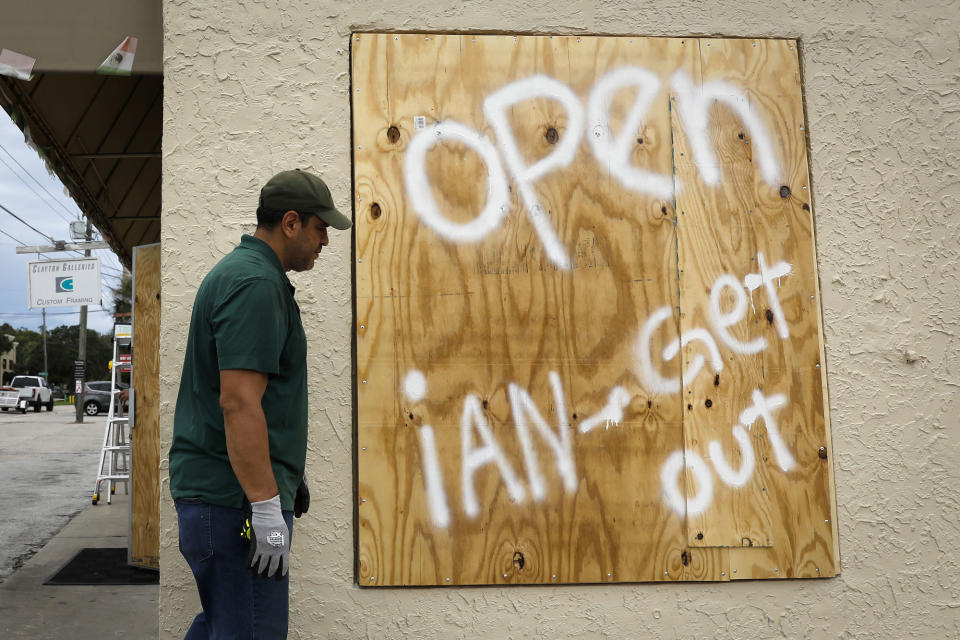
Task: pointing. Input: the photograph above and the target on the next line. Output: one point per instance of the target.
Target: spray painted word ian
(612, 150)
(474, 424)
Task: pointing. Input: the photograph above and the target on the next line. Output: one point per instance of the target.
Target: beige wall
(251, 90)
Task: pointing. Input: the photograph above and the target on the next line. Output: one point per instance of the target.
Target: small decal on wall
(419, 122)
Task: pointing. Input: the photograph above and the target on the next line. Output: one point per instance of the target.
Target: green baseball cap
(304, 193)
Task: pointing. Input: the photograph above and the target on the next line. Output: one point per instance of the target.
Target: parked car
(96, 396)
(58, 392)
(34, 390)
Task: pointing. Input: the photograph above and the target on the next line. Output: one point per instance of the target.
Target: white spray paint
(525, 412)
(436, 494)
(421, 194)
(474, 458)
(766, 277)
(721, 321)
(694, 106)
(522, 406)
(648, 375)
(415, 386)
(725, 471)
(670, 481)
(672, 349)
(495, 108)
(763, 407)
(611, 413)
(614, 150)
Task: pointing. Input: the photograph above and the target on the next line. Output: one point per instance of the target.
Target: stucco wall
(253, 88)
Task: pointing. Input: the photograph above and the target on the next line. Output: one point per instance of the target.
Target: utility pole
(46, 370)
(82, 338)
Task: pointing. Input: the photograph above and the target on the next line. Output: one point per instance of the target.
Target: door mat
(103, 566)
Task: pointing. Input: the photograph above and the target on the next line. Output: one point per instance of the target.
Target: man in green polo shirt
(240, 426)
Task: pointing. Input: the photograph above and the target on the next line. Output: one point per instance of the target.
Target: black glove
(301, 504)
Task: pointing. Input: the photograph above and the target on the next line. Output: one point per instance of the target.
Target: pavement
(48, 467)
(47, 470)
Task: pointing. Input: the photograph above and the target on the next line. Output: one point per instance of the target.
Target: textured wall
(253, 88)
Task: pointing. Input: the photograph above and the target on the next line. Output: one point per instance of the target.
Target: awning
(101, 135)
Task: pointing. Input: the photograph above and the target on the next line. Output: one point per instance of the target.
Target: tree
(123, 295)
(29, 351)
(62, 353)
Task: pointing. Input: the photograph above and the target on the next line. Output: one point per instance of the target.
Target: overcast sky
(38, 197)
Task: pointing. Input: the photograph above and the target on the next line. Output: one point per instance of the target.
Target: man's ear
(290, 223)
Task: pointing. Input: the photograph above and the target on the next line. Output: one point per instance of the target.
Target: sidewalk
(28, 609)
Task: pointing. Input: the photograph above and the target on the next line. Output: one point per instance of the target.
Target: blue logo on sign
(65, 285)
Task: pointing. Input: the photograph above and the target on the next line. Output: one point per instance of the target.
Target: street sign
(79, 369)
(79, 386)
(63, 283)
(122, 331)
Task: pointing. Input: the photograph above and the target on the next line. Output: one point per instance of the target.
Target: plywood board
(145, 437)
(517, 286)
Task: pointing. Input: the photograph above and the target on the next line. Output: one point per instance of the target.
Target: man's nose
(324, 240)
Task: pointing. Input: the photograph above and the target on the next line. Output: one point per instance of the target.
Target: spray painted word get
(611, 149)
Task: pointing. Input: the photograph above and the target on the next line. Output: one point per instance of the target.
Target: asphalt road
(48, 465)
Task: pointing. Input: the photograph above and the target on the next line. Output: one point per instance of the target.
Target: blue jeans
(236, 604)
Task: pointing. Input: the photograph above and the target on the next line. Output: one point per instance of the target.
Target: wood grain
(788, 510)
(477, 317)
(145, 437)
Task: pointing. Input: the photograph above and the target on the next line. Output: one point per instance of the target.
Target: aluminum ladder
(114, 466)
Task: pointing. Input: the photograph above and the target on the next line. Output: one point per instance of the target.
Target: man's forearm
(249, 450)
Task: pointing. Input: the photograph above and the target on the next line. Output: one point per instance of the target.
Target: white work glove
(269, 540)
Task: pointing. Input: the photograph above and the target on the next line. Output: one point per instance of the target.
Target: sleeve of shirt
(249, 328)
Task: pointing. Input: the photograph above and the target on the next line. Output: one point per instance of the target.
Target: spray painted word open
(611, 149)
(474, 424)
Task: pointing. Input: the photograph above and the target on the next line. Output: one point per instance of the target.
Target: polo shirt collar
(259, 246)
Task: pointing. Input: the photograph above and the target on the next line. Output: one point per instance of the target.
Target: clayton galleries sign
(63, 283)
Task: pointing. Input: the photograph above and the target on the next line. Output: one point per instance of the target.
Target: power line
(51, 313)
(19, 242)
(37, 193)
(34, 179)
(102, 266)
(50, 238)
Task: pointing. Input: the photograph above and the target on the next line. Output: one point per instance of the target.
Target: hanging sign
(63, 283)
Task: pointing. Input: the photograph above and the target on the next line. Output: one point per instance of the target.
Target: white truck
(34, 390)
(10, 399)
